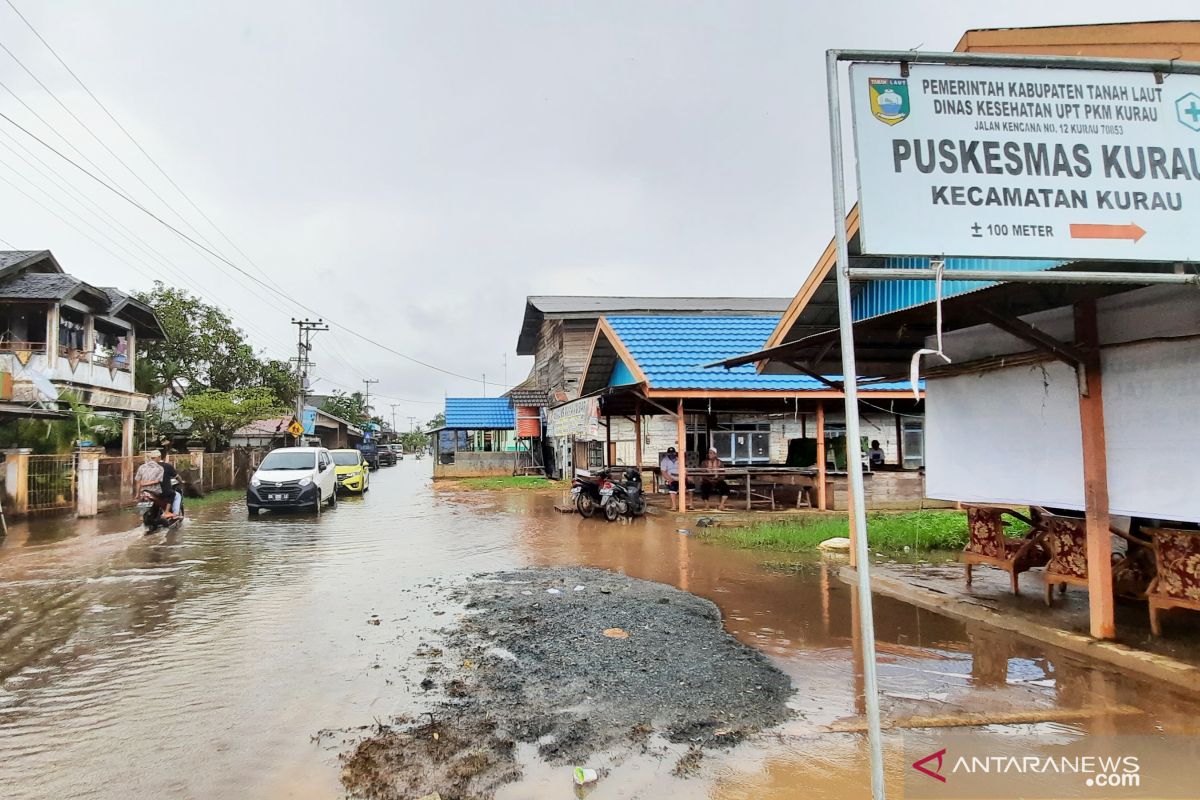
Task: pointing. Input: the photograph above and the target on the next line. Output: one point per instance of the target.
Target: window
(913, 445)
(745, 444)
(287, 459)
(595, 456)
(22, 328)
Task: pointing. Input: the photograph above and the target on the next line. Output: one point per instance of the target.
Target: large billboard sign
(1027, 163)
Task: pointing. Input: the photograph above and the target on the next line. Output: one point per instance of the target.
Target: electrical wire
(100, 142)
(199, 245)
(178, 276)
(132, 139)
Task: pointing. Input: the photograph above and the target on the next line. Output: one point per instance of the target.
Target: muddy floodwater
(204, 665)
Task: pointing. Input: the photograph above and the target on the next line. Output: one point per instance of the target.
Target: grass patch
(218, 496)
(511, 482)
(918, 530)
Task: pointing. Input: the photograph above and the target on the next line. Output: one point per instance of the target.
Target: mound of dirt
(574, 661)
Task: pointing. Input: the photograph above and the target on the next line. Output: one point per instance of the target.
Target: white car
(293, 477)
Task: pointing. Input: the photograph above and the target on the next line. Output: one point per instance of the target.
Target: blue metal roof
(883, 296)
(672, 351)
(480, 413)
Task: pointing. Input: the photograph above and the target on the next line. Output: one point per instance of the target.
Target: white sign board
(579, 418)
(1027, 163)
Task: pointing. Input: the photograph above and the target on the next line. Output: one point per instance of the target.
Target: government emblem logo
(889, 99)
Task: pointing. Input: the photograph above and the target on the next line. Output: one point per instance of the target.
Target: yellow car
(351, 470)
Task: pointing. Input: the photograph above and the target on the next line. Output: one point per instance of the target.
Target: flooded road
(203, 665)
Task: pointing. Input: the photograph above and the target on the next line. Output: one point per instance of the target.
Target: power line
(203, 251)
(100, 141)
(131, 138)
(179, 275)
(182, 277)
(201, 246)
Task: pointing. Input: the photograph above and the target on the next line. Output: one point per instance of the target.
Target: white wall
(1012, 436)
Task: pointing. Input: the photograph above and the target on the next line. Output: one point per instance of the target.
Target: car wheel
(333, 499)
(251, 512)
(318, 503)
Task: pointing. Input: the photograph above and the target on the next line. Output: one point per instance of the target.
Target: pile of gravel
(579, 660)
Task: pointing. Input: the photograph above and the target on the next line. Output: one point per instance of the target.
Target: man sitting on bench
(669, 467)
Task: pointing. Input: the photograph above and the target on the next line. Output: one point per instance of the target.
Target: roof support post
(681, 431)
(637, 435)
(822, 504)
(853, 443)
(608, 443)
(1095, 475)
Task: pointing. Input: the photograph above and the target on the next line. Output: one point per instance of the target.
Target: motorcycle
(634, 498)
(152, 507)
(586, 492)
(624, 498)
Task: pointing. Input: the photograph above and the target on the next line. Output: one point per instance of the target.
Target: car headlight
(255, 481)
(305, 481)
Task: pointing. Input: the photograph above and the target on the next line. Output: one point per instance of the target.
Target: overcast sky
(413, 170)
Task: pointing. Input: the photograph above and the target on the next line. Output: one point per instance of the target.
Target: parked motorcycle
(624, 498)
(152, 507)
(586, 492)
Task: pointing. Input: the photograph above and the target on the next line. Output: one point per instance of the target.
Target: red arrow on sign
(1131, 231)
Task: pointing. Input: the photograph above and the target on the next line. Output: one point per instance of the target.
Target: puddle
(211, 660)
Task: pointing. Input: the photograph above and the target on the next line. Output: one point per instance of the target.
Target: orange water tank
(529, 422)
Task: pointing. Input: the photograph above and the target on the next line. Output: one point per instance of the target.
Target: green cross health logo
(1187, 108)
(889, 99)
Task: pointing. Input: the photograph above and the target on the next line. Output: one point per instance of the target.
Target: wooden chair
(1177, 582)
(1066, 540)
(988, 545)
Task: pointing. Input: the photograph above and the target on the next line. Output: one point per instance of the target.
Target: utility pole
(485, 384)
(394, 431)
(367, 396)
(412, 424)
(305, 328)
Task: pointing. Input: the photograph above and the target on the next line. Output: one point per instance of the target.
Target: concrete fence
(469, 464)
(89, 482)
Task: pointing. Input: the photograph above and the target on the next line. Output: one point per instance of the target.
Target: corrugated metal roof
(560, 304)
(878, 297)
(672, 352)
(479, 413)
(539, 307)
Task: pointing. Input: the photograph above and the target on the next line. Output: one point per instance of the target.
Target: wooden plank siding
(576, 344)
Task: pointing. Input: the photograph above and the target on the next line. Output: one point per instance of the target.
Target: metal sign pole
(853, 444)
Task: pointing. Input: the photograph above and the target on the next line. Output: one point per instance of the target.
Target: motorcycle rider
(154, 477)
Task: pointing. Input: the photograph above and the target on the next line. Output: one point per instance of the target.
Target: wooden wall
(562, 351)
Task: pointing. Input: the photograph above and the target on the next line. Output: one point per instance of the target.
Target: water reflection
(209, 659)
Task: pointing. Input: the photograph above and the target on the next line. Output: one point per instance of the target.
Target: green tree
(438, 421)
(413, 441)
(349, 407)
(202, 349)
(216, 414)
(280, 378)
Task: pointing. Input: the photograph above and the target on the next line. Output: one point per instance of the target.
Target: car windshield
(346, 459)
(288, 460)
